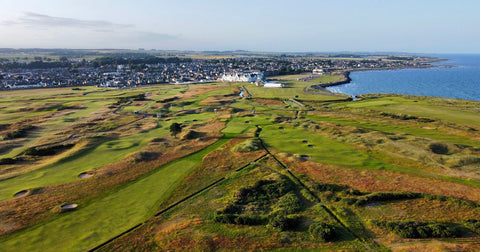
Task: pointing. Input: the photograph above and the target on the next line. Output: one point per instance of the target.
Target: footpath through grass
(93, 224)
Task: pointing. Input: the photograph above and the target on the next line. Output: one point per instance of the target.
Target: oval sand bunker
(68, 207)
(21, 193)
(84, 175)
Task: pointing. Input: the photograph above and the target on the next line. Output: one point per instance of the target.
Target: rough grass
(378, 144)
(112, 214)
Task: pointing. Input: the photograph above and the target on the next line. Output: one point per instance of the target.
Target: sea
(458, 76)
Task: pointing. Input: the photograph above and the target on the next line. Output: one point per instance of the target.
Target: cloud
(31, 19)
(50, 31)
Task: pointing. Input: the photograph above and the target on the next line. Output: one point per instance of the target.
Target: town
(136, 69)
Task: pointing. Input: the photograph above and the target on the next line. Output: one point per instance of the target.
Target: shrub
(263, 191)
(473, 224)
(415, 230)
(322, 231)
(191, 134)
(284, 223)
(249, 220)
(232, 209)
(387, 196)
(322, 187)
(349, 201)
(289, 204)
(225, 218)
(438, 148)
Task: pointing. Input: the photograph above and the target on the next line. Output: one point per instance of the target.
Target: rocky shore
(346, 79)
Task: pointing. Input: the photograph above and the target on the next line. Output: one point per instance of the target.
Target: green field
(363, 168)
(94, 223)
(295, 88)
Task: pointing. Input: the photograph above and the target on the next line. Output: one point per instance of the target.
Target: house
(318, 71)
(244, 76)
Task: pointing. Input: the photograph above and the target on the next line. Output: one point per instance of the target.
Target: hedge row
(417, 230)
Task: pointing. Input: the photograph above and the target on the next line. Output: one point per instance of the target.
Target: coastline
(347, 79)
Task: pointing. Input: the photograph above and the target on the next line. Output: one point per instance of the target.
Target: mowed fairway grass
(323, 150)
(101, 220)
(439, 110)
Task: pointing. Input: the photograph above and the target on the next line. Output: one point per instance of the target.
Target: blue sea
(462, 80)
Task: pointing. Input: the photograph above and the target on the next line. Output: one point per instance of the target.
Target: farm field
(279, 169)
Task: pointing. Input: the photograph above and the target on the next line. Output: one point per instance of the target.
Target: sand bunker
(84, 175)
(69, 207)
(21, 193)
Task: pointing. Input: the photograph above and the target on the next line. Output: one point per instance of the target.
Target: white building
(273, 85)
(318, 71)
(245, 76)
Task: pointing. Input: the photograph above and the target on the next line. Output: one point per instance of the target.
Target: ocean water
(460, 81)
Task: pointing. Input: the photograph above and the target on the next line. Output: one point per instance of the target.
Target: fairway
(115, 213)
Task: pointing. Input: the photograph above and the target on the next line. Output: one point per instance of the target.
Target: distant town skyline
(427, 26)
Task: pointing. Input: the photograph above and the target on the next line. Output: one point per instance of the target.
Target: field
(281, 169)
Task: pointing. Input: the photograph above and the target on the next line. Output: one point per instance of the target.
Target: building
(244, 76)
(318, 71)
(273, 85)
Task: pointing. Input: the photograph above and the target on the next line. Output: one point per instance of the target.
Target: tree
(175, 128)
(64, 59)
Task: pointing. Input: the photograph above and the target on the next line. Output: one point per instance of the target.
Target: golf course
(201, 167)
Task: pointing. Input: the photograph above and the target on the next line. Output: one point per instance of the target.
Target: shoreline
(347, 79)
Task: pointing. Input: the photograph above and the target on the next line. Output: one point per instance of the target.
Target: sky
(415, 26)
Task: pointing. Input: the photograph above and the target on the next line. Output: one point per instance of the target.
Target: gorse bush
(387, 196)
(322, 231)
(289, 204)
(412, 229)
(263, 191)
(438, 148)
(248, 145)
(249, 220)
(473, 224)
(267, 201)
(284, 223)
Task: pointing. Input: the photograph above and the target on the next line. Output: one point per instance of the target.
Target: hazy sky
(429, 26)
